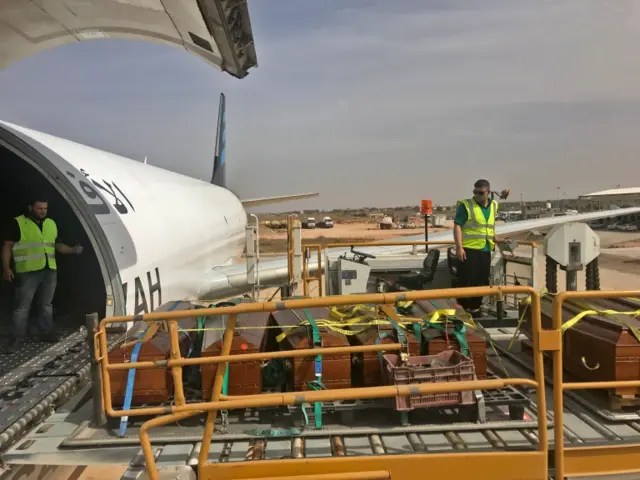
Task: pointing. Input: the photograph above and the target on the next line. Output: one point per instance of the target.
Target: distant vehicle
(310, 222)
(326, 222)
(625, 227)
(613, 226)
(386, 223)
(597, 225)
(438, 220)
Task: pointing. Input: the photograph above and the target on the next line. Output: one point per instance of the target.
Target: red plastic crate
(418, 370)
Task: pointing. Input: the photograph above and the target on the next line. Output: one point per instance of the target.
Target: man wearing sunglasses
(474, 234)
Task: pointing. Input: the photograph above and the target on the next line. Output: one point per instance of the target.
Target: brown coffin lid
(160, 344)
(570, 310)
(292, 318)
(427, 306)
(257, 321)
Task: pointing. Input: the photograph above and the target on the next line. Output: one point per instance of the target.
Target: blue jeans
(35, 288)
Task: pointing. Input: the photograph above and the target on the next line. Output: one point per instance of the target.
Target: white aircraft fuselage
(165, 230)
(161, 236)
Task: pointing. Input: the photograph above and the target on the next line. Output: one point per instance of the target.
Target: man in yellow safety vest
(474, 234)
(32, 242)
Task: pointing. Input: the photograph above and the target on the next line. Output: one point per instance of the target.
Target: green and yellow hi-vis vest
(477, 230)
(36, 248)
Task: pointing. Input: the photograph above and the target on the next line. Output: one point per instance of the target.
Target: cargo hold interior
(80, 285)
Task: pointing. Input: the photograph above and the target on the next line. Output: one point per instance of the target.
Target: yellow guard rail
(590, 460)
(322, 249)
(497, 465)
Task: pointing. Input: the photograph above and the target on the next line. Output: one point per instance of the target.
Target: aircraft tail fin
(219, 168)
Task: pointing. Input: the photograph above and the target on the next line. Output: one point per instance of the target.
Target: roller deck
(65, 437)
(359, 438)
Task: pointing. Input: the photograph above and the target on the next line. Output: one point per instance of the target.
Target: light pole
(558, 198)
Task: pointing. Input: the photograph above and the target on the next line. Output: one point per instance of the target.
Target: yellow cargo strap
(572, 322)
(152, 328)
(372, 315)
(526, 301)
(589, 310)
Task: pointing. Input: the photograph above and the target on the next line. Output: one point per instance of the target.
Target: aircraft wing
(218, 31)
(254, 202)
(232, 280)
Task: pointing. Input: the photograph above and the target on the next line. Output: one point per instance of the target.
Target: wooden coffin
(366, 368)
(154, 385)
(442, 342)
(245, 378)
(336, 369)
(597, 348)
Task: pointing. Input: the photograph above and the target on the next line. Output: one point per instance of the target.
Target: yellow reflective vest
(477, 230)
(36, 248)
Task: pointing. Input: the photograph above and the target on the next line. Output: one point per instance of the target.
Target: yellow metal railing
(322, 252)
(533, 462)
(306, 278)
(590, 460)
(291, 219)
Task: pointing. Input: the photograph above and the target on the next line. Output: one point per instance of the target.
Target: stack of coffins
(293, 330)
(150, 341)
(423, 339)
(250, 336)
(597, 347)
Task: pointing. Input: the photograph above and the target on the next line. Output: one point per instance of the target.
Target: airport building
(616, 197)
(611, 199)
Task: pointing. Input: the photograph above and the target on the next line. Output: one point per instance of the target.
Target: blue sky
(368, 102)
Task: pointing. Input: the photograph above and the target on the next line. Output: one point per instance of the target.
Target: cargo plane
(150, 235)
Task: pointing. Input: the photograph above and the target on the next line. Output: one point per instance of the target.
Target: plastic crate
(418, 370)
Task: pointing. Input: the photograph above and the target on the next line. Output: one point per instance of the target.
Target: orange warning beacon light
(426, 207)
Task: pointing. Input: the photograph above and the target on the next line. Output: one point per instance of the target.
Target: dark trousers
(37, 289)
(473, 272)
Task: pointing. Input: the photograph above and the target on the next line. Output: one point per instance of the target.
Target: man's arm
(67, 250)
(63, 248)
(7, 248)
(11, 236)
(457, 236)
(460, 219)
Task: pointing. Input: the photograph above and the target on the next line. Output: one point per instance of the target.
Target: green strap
(459, 332)
(225, 380)
(317, 343)
(402, 338)
(379, 341)
(417, 331)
